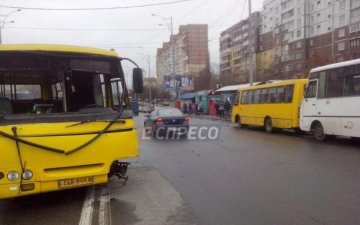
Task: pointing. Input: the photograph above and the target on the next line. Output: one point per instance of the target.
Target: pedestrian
(227, 108)
(190, 108)
(217, 105)
(185, 108)
(221, 110)
(200, 109)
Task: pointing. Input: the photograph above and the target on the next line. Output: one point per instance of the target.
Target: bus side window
(257, 96)
(311, 89)
(244, 97)
(263, 96)
(289, 92)
(352, 85)
(271, 95)
(249, 99)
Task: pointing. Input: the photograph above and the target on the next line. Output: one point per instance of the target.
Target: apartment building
(191, 54)
(234, 48)
(297, 35)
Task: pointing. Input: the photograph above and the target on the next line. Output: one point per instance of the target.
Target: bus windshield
(41, 83)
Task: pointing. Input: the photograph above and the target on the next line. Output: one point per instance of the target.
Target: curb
(209, 118)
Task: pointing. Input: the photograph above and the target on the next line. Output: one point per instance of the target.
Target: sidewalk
(210, 117)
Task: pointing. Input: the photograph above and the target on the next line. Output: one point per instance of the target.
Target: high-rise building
(297, 35)
(191, 54)
(234, 48)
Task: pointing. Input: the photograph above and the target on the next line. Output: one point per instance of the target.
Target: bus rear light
(27, 187)
(13, 176)
(27, 174)
(2, 175)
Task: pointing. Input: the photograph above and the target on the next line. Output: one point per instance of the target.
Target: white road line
(88, 207)
(104, 201)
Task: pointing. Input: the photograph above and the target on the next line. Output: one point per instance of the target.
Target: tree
(202, 80)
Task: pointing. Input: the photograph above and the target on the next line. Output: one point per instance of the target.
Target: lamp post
(4, 21)
(147, 59)
(171, 29)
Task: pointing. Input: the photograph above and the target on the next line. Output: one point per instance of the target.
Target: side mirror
(138, 84)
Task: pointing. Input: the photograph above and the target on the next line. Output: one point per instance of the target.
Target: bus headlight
(27, 175)
(1, 175)
(13, 175)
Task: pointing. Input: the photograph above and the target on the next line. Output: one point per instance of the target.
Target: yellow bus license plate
(75, 182)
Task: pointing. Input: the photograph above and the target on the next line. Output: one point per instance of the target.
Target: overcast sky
(132, 32)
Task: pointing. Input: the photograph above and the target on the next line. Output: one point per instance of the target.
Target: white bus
(332, 101)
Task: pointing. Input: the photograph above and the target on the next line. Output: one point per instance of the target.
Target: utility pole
(172, 45)
(250, 49)
(150, 98)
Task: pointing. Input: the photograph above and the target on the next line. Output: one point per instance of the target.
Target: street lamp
(147, 59)
(4, 21)
(171, 29)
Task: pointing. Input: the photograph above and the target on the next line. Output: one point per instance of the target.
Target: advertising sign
(179, 82)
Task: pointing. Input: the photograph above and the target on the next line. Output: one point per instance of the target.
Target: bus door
(308, 108)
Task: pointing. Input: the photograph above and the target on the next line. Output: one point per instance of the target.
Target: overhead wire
(95, 9)
(181, 18)
(84, 29)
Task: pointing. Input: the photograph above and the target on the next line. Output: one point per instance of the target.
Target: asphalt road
(244, 177)
(251, 177)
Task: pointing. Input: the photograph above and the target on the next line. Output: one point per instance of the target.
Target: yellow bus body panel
(283, 115)
(48, 167)
(57, 48)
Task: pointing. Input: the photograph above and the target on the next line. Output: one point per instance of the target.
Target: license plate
(75, 182)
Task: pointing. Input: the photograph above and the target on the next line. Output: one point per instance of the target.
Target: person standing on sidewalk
(221, 110)
(227, 108)
(217, 105)
(185, 108)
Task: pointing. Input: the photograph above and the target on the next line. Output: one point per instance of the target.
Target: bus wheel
(268, 125)
(319, 133)
(240, 125)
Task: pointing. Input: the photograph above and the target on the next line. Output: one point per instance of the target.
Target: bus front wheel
(240, 125)
(268, 125)
(319, 133)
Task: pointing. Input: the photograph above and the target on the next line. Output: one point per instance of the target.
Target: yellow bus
(273, 105)
(65, 118)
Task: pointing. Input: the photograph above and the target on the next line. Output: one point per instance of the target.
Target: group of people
(223, 109)
(191, 108)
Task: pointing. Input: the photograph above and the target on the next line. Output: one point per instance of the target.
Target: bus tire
(240, 125)
(319, 133)
(268, 125)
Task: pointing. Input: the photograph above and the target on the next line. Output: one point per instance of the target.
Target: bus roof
(336, 65)
(56, 48)
(274, 84)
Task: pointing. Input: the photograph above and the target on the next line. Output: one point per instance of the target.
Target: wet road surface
(251, 177)
(244, 177)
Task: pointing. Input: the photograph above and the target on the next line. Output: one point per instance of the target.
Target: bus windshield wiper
(90, 121)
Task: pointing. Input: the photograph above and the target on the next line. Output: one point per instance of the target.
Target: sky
(133, 32)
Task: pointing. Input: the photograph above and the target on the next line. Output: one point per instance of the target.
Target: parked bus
(272, 105)
(332, 102)
(74, 123)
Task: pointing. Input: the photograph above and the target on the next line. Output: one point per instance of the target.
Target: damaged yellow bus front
(65, 118)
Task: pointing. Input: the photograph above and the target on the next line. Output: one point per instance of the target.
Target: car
(166, 123)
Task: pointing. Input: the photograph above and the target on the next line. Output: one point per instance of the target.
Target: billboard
(179, 82)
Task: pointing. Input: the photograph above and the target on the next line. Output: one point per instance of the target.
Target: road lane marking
(104, 215)
(88, 207)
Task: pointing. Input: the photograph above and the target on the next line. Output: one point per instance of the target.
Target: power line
(94, 9)
(83, 29)
(228, 12)
(181, 18)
